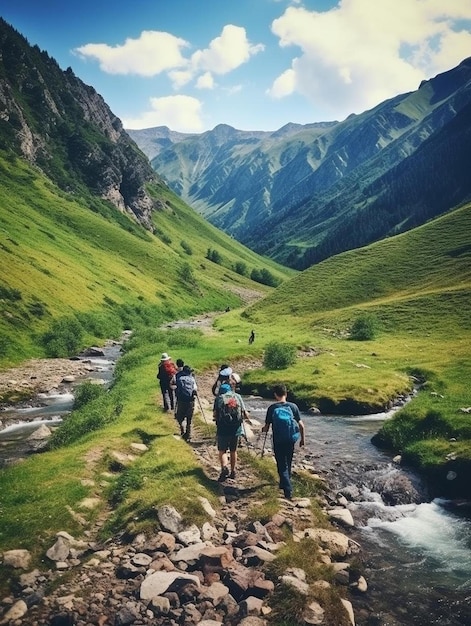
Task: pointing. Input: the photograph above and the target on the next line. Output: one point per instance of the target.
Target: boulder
(169, 518)
(161, 582)
(335, 542)
(19, 559)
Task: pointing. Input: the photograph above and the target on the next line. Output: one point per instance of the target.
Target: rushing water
(50, 408)
(417, 556)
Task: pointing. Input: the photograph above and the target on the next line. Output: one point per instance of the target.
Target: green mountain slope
(391, 277)
(63, 256)
(414, 291)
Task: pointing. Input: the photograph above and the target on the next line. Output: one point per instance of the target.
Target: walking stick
(203, 413)
(264, 442)
(201, 409)
(244, 435)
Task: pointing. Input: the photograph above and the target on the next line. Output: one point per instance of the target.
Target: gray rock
(215, 593)
(19, 559)
(313, 614)
(169, 518)
(255, 555)
(141, 560)
(190, 536)
(207, 506)
(159, 605)
(160, 582)
(190, 554)
(59, 551)
(349, 608)
(124, 617)
(251, 606)
(343, 516)
(294, 582)
(17, 611)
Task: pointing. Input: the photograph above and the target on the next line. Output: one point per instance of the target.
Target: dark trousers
(168, 396)
(284, 458)
(185, 412)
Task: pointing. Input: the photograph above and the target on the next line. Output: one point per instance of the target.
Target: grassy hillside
(414, 290)
(65, 257)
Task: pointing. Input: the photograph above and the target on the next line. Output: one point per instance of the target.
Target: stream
(416, 554)
(17, 437)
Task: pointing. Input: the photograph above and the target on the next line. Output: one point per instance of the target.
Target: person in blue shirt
(284, 437)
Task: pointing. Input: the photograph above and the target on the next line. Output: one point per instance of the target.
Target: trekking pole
(244, 435)
(264, 442)
(203, 413)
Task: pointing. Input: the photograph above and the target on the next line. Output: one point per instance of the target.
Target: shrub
(64, 337)
(186, 247)
(279, 356)
(264, 276)
(85, 393)
(363, 328)
(186, 274)
(241, 268)
(214, 256)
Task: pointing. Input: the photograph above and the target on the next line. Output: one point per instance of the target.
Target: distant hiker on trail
(223, 377)
(165, 373)
(228, 413)
(252, 337)
(186, 390)
(285, 420)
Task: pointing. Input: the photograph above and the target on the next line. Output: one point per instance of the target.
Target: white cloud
(155, 52)
(226, 52)
(205, 81)
(182, 113)
(362, 52)
(284, 85)
(152, 53)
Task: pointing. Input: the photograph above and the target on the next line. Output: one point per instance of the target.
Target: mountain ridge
(305, 180)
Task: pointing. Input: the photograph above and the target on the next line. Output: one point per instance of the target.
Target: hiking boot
(223, 475)
(232, 475)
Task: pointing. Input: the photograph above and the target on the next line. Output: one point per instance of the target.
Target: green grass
(60, 257)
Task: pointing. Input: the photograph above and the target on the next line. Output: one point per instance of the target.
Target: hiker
(186, 390)
(252, 337)
(223, 377)
(165, 373)
(228, 413)
(287, 427)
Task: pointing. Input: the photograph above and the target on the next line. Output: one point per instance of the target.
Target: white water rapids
(417, 556)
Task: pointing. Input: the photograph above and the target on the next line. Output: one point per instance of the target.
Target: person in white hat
(165, 373)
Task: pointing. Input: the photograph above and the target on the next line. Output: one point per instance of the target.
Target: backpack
(185, 387)
(229, 413)
(285, 427)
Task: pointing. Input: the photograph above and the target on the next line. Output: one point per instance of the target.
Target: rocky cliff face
(56, 122)
(303, 193)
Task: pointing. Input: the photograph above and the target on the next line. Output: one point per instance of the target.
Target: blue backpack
(285, 427)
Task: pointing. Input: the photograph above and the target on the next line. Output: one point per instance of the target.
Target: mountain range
(306, 192)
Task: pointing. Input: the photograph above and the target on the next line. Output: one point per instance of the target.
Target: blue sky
(253, 64)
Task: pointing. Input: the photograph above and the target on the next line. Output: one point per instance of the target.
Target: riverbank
(99, 578)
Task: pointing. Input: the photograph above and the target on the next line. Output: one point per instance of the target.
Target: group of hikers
(179, 393)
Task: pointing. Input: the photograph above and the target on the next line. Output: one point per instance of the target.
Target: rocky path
(181, 575)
